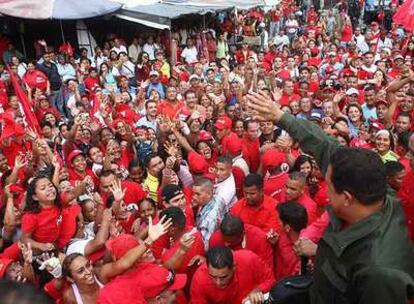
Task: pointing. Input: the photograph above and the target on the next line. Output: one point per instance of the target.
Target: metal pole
(61, 31)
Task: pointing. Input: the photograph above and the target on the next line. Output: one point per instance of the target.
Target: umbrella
(57, 9)
(405, 15)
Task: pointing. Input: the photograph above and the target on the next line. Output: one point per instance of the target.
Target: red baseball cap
(272, 158)
(197, 163)
(158, 278)
(120, 245)
(233, 146)
(357, 142)
(204, 135)
(223, 122)
(4, 264)
(72, 155)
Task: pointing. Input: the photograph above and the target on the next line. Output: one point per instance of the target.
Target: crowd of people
(202, 169)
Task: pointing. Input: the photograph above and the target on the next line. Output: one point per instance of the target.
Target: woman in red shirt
(36, 79)
(41, 222)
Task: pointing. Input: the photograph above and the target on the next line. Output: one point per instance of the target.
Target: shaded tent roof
(159, 15)
(218, 3)
(57, 9)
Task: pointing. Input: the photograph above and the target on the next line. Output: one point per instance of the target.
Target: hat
(376, 125)
(234, 146)
(398, 56)
(120, 245)
(382, 101)
(223, 122)
(72, 155)
(316, 115)
(170, 191)
(204, 135)
(272, 158)
(262, 24)
(331, 54)
(352, 91)
(194, 76)
(357, 142)
(154, 73)
(329, 70)
(158, 279)
(197, 163)
(4, 264)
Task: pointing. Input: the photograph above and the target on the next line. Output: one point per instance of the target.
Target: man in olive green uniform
(365, 255)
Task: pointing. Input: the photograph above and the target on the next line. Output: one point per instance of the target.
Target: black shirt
(52, 74)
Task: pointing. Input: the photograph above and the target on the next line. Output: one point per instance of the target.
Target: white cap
(351, 91)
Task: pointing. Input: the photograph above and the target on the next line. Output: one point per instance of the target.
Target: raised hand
(26, 252)
(263, 108)
(158, 230)
(117, 191)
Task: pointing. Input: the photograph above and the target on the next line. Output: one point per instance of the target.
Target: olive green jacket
(371, 261)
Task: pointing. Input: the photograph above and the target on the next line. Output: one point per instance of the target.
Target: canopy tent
(159, 15)
(218, 3)
(57, 9)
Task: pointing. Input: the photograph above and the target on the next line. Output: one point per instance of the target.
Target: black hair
(135, 162)
(44, 123)
(149, 200)
(403, 139)
(253, 179)
(176, 215)
(13, 292)
(303, 158)
(149, 157)
(67, 262)
(404, 114)
(110, 201)
(148, 102)
(232, 225)
(361, 172)
(393, 167)
(247, 122)
(220, 257)
(106, 173)
(297, 176)
(293, 214)
(33, 205)
(225, 160)
(203, 181)
(190, 91)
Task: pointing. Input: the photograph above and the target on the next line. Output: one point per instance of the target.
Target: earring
(346, 204)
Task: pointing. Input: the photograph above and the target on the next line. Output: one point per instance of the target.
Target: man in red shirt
(224, 134)
(236, 235)
(251, 145)
(173, 196)
(231, 278)
(182, 248)
(274, 182)
(288, 95)
(171, 105)
(256, 208)
(295, 190)
(294, 218)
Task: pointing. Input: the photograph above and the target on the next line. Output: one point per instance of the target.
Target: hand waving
(158, 230)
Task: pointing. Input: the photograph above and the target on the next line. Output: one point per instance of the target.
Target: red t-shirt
(36, 79)
(169, 109)
(287, 262)
(305, 201)
(274, 185)
(251, 153)
(264, 216)
(44, 226)
(250, 273)
(68, 226)
(406, 195)
(255, 240)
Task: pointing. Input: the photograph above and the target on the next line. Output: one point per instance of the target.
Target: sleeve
(383, 285)
(29, 223)
(312, 139)
(315, 230)
(197, 289)
(262, 273)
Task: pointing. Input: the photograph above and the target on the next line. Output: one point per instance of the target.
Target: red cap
(272, 158)
(233, 146)
(377, 125)
(4, 264)
(204, 135)
(197, 163)
(158, 279)
(72, 155)
(383, 101)
(357, 142)
(121, 245)
(223, 122)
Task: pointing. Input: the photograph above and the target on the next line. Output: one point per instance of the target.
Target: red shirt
(238, 180)
(68, 226)
(406, 195)
(226, 141)
(274, 185)
(305, 201)
(251, 153)
(285, 100)
(264, 216)
(133, 194)
(250, 273)
(287, 262)
(36, 79)
(170, 109)
(43, 226)
(315, 231)
(255, 241)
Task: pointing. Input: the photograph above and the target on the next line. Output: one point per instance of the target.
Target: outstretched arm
(312, 139)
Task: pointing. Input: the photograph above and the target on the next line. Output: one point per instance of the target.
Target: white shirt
(133, 52)
(190, 54)
(150, 49)
(121, 48)
(127, 69)
(227, 191)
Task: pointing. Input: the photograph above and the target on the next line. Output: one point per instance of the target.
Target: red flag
(405, 15)
(28, 110)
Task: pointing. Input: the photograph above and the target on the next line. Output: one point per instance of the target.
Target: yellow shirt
(152, 183)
